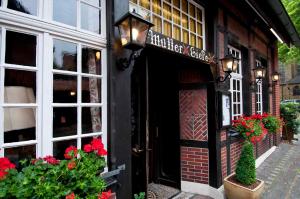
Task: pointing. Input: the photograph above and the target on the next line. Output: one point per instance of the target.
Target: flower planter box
(237, 191)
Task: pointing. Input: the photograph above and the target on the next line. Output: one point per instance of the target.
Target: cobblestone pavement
(281, 173)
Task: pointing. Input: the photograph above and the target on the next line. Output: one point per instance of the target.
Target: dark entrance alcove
(157, 78)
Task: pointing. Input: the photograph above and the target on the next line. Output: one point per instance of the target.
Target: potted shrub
(243, 183)
(78, 176)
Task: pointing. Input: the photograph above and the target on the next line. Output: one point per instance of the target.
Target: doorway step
(158, 191)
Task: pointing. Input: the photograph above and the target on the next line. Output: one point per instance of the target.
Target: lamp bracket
(223, 79)
(124, 63)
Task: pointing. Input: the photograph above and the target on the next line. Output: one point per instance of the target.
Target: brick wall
(194, 165)
(235, 152)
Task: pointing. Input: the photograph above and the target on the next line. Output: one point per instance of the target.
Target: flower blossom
(68, 153)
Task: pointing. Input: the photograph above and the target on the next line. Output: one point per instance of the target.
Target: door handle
(137, 149)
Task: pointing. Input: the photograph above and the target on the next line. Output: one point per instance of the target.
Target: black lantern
(275, 77)
(133, 30)
(229, 65)
(259, 73)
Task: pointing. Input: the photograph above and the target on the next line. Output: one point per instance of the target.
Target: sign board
(168, 43)
(225, 110)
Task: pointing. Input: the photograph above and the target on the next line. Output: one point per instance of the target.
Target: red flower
(247, 134)
(5, 165)
(2, 174)
(51, 160)
(105, 195)
(68, 153)
(71, 165)
(70, 196)
(97, 144)
(102, 152)
(87, 148)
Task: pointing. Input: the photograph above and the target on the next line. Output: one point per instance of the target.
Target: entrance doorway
(157, 81)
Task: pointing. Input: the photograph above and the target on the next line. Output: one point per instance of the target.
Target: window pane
(91, 90)
(156, 6)
(64, 121)
(185, 36)
(20, 49)
(65, 11)
(90, 18)
(64, 55)
(64, 89)
(199, 29)
(184, 6)
(157, 24)
(193, 40)
(176, 33)
(199, 15)
(26, 6)
(19, 86)
(200, 42)
(184, 21)
(145, 4)
(176, 16)
(192, 10)
(91, 61)
(167, 28)
(60, 147)
(20, 153)
(192, 26)
(176, 3)
(167, 11)
(91, 120)
(19, 124)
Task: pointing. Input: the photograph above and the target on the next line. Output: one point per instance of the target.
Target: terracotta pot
(236, 191)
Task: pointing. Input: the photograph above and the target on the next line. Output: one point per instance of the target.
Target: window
(79, 15)
(259, 94)
(87, 16)
(182, 20)
(296, 90)
(52, 92)
(236, 85)
(25, 6)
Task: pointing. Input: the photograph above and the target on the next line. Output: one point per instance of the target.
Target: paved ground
(281, 173)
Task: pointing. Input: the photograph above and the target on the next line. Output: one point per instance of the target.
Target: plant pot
(237, 191)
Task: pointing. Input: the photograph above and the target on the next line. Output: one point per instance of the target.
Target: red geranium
(51, 160)
(70, 196)
(105, 195)
(71, 165)
(97, 144)
(87, 148)
(5, 165)
(71, 152)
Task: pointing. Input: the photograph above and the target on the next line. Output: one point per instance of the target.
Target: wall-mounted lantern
(229, 65)
(275, 77)
(259, 73)
(133, 30)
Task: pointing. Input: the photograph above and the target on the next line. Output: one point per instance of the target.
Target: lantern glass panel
(139, 31)
(275, 77)
(124, 29)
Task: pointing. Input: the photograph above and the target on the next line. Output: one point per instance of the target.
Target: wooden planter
(236, 191)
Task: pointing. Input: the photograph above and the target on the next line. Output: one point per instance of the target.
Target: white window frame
(259, 96)
(236, 76)
(44, 19)
(151, 13)
(46, 30)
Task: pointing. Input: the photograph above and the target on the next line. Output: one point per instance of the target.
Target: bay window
(52, 78)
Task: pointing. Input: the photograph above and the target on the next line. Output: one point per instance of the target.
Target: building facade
(165, 119)
(290, 81)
